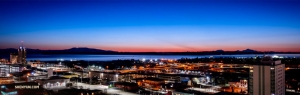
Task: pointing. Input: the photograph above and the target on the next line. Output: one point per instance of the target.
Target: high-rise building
(13, 58)
(22, 55)
(267, 77)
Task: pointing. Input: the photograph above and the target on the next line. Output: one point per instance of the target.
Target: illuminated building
(110, 76)
(150, 83)
(267, 77)
(15, 68)
(6, 80)
(33, 77)
(4, 70)
(22, 54)
(54, 81)
(127, 86)
(3, 61)
(13, 58)
(5, 77)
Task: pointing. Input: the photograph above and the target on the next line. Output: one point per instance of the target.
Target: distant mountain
(81, 50)
(249, 50)
(220, 50)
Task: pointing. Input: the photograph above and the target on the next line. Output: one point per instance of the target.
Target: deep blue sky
(151, 25)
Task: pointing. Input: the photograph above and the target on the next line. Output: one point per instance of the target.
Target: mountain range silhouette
(85, 50)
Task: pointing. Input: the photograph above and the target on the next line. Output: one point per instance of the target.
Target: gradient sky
(151, 25)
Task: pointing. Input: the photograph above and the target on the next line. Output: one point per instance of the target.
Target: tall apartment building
(267, 77)
(22, 55)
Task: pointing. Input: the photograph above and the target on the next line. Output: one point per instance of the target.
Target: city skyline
(152, 26)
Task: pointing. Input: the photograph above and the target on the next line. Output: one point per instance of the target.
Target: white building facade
(267, 78)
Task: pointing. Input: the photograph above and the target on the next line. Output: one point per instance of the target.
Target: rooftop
(53, 78)
(267, 58)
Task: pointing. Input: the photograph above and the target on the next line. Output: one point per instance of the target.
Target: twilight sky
(151, 25)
